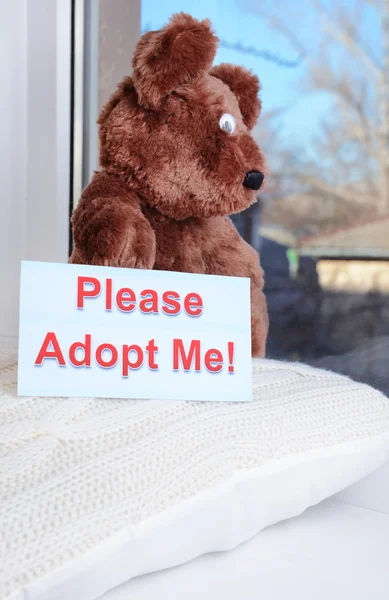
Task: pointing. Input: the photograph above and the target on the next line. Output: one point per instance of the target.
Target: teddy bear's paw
(137, 262)
(99, 261)
(139, 250)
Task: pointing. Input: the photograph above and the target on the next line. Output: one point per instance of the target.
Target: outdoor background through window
(321, 224)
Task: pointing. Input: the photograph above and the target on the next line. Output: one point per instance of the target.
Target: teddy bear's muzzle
(253, 180)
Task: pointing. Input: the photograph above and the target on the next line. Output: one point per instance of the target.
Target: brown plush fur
(170, 176)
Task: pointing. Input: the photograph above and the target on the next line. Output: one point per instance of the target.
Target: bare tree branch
(351, 163)
(347, 37)
(266, 55)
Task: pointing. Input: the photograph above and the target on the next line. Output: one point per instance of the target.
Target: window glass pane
(321, 225)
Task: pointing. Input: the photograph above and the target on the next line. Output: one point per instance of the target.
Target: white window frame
(36, 119)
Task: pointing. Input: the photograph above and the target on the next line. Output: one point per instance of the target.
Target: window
(322, 223)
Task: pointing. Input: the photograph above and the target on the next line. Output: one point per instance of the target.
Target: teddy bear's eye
(227, 123)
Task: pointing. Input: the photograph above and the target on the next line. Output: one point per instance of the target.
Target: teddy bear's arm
(231, 255)
(111, 230)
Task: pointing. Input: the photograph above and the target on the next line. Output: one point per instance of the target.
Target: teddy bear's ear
(245, 85)
(177, 54)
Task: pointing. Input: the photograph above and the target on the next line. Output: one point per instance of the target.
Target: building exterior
(353, 270)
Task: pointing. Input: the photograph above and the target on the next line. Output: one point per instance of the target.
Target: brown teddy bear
(177, 158)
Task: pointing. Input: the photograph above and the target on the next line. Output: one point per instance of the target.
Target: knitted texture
(75, 471)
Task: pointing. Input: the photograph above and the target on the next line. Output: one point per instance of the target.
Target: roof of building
(369, 239)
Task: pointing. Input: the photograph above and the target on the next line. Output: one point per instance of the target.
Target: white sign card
(89, 331)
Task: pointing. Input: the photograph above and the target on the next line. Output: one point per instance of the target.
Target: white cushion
(334, 551)
(94, 492)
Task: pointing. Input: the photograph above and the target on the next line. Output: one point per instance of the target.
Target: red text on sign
(189, 356)
(147, 302)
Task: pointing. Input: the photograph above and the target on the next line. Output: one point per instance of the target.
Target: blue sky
(280, 85)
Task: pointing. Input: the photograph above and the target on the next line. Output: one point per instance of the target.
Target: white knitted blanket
(74, 471)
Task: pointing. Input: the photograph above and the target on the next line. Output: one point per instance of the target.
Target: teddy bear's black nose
(253, 180)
